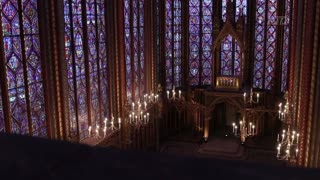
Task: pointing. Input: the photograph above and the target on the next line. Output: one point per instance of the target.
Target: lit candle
(140, 115)
(139, 107)
(298, 138)
(89, 131)
(179, 93)
(233, 125)
(105, 122)
(258, 95)
(279, 148)
(112, 126)
(147, 117)
(145, 105)
(250, 128)
(133, 106)
(278, 138)
(236, 129)
(104, 132)
(168, 94)
(244, 97)
(253, 130)
(297, 152)
(97, 131)
(130, 118)
(119, 122)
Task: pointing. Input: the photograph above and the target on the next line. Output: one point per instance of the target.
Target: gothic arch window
(200, 41)
(265, 44)
(134, 48)
(230, 51)
(23, 67)
(85, 52)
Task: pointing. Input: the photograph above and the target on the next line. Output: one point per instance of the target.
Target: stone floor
(23, 158)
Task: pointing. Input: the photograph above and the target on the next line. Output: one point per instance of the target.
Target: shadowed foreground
(33, 158)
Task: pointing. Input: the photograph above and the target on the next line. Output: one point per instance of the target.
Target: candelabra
(112, 126)
(138, 114)
(246, 129)
(288, 142)
(172, 96)
(254, 98)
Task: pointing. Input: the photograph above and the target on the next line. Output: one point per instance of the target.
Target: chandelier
(253, 98)
(139, 115)
(173, 95)
(288, 142)
(246, 128)
(113, 126)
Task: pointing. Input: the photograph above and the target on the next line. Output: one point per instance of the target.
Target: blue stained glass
(12, 33)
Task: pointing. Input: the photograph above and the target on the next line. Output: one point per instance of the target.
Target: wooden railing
(228, 82)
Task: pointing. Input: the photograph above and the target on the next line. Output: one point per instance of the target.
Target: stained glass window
(265, 45)
(230, 51)
(285, 51)
(200, 41)
(134, 48)
(173, 43)
(23, 66)
(2, 127)
(75, 38)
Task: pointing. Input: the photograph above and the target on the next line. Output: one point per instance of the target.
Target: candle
(133, 106)
(139, 106)
(233, 125)
(236, 129)
(278, 138)
(298, 138)
(168, 94)
(112, 125)
(179, 93)
(119, 122)
(244, 97)
(97, 131)
(258, 95)
(147, 117)
(253, 130)
(297, 152)
(105, 122)
(145, 105)
(250, 128)
(89, 131)
(130, 118)
(279, 148)
(104, 132)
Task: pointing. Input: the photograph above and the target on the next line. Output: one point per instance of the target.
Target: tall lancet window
(286, 38)
(173, 44)
(2, 126)
(85, 52)
(200, 41)
(134, 48)
(265, 43)
(23, 67)
(230, 50)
